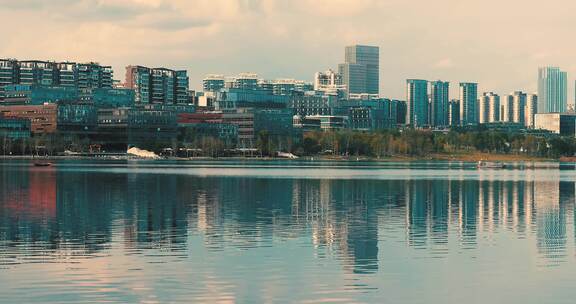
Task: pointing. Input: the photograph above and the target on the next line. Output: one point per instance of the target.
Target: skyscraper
(454, 112)
(439, 102)
(552, 90)
(531, 109)
(507, 111)
(157, 85)
(518, 107)
(417, 103)
(468, 103)
(213, 83)
(489, 108)
(361, 69)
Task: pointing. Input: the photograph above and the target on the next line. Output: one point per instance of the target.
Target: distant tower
(468, 103)
(489, 108)
(531, 110)
(454, 112)
(417, 103)
(552, 90)
(439, 102)
(519, 107)
(361, 69)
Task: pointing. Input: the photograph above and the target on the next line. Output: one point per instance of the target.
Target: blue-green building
(48, 73)
(77, 117)
(158, 85)
(439, 103)
(417, 103)
(469, 104)
(249, 98)
(277, 122)
(28, 94)
(14, 128)
(151, 126)
(113, 98)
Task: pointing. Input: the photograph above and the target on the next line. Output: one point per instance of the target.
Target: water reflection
(47, 215)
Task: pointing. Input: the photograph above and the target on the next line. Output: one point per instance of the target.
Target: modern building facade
(454, 112)
(439, 102)
(328, 122)
(552, 90)
(417, 103)
(213, 83)
(308, 104)
(43, 118)
(33, 94)
(558, 123)
(531, 109)
(489, 108)
(329, 80)
(468, 103)
(158, 85)
(48, 73)
(244, 81)
(361, 69)
(14, 128)
(518, 103)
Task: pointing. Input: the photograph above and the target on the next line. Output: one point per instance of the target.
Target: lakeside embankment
(457, 157)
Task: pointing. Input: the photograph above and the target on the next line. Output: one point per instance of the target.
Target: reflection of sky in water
(392, 233)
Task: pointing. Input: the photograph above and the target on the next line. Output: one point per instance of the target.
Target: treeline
(381, 144)
(417, 143)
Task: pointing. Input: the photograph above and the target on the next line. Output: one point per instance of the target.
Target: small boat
(490, 165)
(42, 164)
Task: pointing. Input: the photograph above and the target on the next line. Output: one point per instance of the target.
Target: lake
(283, 232)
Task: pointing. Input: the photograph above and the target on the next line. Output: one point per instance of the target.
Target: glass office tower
(552, 90)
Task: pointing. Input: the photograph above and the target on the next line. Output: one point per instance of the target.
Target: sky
(498, 43)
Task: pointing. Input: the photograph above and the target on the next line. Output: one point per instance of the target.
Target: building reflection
(86, 213)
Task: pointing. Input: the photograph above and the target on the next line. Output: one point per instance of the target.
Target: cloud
(451, 40)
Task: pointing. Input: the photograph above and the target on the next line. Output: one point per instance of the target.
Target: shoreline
(457, 157)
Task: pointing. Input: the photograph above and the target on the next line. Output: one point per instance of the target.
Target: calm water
(157, 232)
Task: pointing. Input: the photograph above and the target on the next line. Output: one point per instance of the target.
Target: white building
(489, 108)
(530, 110)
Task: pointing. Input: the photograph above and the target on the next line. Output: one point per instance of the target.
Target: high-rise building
(158, 85)
(287, 86)
(329, 82)
(507, 109)
(38, 72)
(361, 69)
(93, 76)
(518, 107)
(401, 110)
(67, 72)
(245, 81)
(213, 83)
(489, 108)
(531, 110)
(8, 72)
(468, 103)
(454, 112)
(552, 90)
(514, 108)
(47, 73)
(417, 103)
(439, 102)
(328, 79)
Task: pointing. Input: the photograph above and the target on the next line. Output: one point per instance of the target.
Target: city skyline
(207, 37)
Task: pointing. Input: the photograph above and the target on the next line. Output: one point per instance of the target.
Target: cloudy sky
(498, 43)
